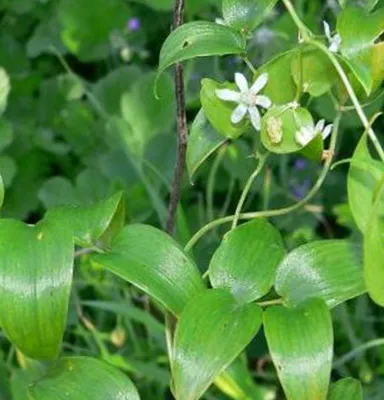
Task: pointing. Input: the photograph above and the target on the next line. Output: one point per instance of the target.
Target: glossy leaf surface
(246, 261)
(246, 14)
(83, 378)
(153, 261)
(327, 269)
(301, 345)
(35, 281)
(226, 328)
(199, 39)
(203, 140)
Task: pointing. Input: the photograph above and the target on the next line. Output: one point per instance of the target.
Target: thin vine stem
(247, 188)
(282, 211)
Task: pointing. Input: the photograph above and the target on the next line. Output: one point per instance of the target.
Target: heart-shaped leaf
(347, 388)
(199, 39)
(82, 378)
(212, 331)
(357, 44)
(246, 14)
(374, 249)
(327, 269)
(94, 225)
(5, 88)
(218, 112)
(363, 178)
(280, 125)
(301, 344)
(203, 140)
(153, 261)
(35, 280)
(246, 261)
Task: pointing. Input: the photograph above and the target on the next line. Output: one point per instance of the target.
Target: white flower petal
(220, 21)
(241, 82)
(238, 113)
(305, 135)
(228, 95)
(327, 30)
(327, 131)
(263, 101)
(255, 117)
(320, 125)
(259, 84)
(334, 47)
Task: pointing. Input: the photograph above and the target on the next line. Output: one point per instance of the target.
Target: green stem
(247, 188)
(305, 32)
(249, 65)
(270, 303)
(352, 95)
(282, 211)
(355, 352)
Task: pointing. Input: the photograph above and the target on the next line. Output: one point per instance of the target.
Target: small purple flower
(134, 24)
(300, 164)
(300, 190)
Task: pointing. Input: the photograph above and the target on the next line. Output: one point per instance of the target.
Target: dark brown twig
(182, 130)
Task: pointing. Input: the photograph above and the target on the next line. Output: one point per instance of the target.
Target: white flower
(334, 41)
(220, 21)
(248, 99)
(307, 133)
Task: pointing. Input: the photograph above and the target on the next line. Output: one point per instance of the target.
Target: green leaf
(279, 126)
(313, 70)
(347, 388)
(203, 141)
(246, 14)
(2, 191)
(159, 5)
(374, 249)
(226, 328)
(199, 39)
(35, 278)
(300, 341)
(327, 269)
(247, 259)
(153, 261)
(218, 112)
(278, 72)
(5, 88)
(83, 378)
(93, 225)
(86, 30)
(363, 178)
(357, 44)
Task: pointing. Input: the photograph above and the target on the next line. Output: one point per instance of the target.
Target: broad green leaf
(366, 4)
(153, 261)
(278, 72)
(82, 378)
(35, 279)
(363, 178)
(8, 170)
(300, 341)
(237, 382)
(212, 331)
(246, 14)
(159, 5)
(93, 225)
(313, 70)
(357, 44)
(347, 388)
(218, 112)
(374, 249)
(247, 259)
(5, 88)
(279, 126)
(199, 39)
(326, 269)
(86, 30)
(203, 140)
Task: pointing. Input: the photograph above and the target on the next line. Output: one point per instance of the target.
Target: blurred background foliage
(82, 122)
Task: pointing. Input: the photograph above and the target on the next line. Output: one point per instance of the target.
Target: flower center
(249, 99)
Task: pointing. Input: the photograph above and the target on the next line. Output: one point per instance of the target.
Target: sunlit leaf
(5, 88)
(327, 269)
(226, 326)
(300, 341)
(246, 261)
(153, 261)
(35, 278)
